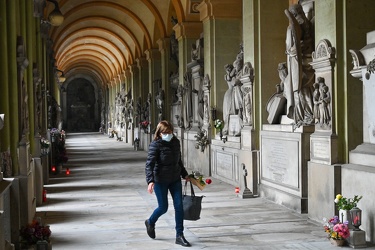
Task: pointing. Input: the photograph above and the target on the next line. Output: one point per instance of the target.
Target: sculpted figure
(299, 46)
(324, 103)
(227, 102)
(206, 109)
(200, 95)
(316, 97)
(187, 107)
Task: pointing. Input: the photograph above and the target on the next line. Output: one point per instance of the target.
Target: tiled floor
(104, 202)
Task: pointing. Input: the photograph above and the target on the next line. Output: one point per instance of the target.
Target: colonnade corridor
(103, 204)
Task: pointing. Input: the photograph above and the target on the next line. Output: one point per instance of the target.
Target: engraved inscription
(280, 161)
(320, 150)
(224, 165)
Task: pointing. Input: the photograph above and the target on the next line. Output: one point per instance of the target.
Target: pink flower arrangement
(335, 229)
(34, 232)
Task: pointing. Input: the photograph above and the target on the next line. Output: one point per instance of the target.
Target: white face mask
(166, 137)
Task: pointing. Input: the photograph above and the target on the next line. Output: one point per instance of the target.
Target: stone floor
(104, 202)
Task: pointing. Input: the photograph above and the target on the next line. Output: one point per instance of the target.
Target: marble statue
(187, 100)
(233, 97)
(300, 79)
(277, 104)
(324, 103)
(200, 95)
(206, 114)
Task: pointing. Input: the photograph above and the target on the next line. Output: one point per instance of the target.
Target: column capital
(163, 43)
(188, 30)
(152, 54)
(141, 62)
(210, 9)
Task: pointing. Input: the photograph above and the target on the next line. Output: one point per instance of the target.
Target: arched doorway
(82, 108)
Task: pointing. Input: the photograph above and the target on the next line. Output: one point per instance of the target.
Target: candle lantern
(356, 218)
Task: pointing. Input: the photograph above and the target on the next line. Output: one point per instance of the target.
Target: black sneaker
(150, 230)
(180, 240)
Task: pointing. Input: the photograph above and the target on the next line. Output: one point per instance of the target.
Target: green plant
(219, 124)
(346, 203)
(201, 139)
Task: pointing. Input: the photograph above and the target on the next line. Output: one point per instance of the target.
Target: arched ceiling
(102, 38)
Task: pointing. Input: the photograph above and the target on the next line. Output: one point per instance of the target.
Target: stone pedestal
(195, 158)
(357, 239)
(283, 169)
(5, 211)
(27, 195)
(326, 181)
(24, 158)
(38, 181)
(225, 160)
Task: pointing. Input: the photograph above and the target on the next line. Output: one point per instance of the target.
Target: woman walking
(164, 170)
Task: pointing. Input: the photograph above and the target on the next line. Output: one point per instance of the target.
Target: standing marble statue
(300, 79)
(200, 95)
(233, 97)
(187, 100)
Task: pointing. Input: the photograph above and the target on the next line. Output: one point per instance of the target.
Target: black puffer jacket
(164, 161)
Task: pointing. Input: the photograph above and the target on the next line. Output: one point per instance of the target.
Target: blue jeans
(161, 192)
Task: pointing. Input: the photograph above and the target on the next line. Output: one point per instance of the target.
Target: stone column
(143, 83)
(135, 94)
(13, 88)
(153, 57)
(263, 48)
(31, 55)
(167, 67)
(4, 87)
(222, 23)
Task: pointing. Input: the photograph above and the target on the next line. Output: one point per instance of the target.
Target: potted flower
(219, 124)
(35, 234)
(337, 231)
(344, 205)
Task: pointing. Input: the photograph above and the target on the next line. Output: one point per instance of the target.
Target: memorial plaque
(280, 161)
(320, 149)
(224, 165)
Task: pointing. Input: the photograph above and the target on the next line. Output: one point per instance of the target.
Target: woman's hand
(150, 187)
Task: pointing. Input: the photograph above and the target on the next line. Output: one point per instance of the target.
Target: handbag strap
(191, 188)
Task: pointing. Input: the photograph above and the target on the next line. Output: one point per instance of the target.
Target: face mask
(166, 137)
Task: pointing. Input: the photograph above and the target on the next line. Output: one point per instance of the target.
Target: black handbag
(192, 204)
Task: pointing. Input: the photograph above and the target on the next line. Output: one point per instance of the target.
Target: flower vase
(344, 215)
(337, 243)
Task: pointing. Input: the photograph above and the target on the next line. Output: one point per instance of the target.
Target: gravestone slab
(224, 162)
(283, 165)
